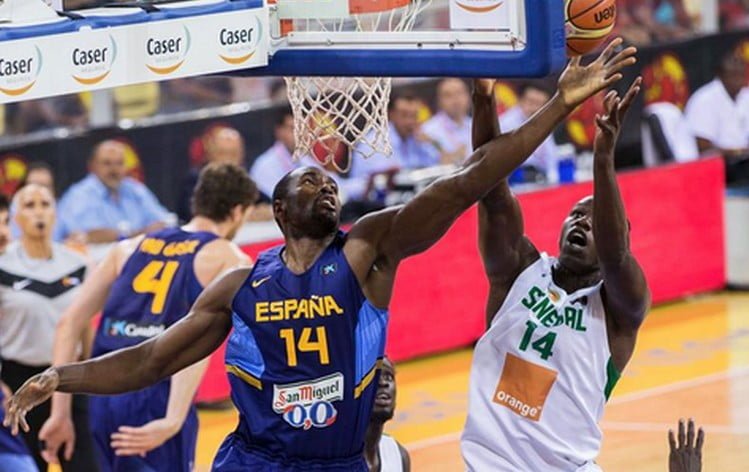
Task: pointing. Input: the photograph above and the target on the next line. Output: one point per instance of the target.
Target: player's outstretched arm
(183, 344)
(403, 231)
(626, 293)
(505, 251)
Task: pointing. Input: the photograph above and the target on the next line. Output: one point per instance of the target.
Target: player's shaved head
(306, 203)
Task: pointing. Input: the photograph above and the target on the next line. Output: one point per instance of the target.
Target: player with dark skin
(382, 412)
(686, 455)
(594, 242)
(306, 207)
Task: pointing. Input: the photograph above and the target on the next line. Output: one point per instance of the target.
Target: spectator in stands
(194, 93)
(107, 206)
(410, 151)
(4, 222)
(734, 14)
(35, 115)
(645, 21)
(533, 96)
(39, 173)
(276, 161)
(221, 144)
(449, 130)
(718, 112)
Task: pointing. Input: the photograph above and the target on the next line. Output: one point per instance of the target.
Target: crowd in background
(640, 22)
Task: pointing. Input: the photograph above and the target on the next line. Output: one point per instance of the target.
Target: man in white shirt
(450, 129)
(718, 112)
(409, 151)
(276, 161)
(533, 96)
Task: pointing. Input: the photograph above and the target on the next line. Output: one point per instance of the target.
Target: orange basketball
(587, 23)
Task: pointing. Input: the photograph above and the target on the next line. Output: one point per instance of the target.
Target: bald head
(225, 146)
(34, 211)
(108, 163)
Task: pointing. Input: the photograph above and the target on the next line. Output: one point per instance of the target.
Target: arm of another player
(686, 456)
(397, 233)
(186, 342)
(625, 290)
(58, 430)
(212, 260)
(505, 250)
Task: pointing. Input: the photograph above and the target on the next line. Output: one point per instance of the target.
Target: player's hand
(137, 441)
(484, 86)
(686, 455)
(57, 431)
(34, 391)
(578, 82)
(609, 125)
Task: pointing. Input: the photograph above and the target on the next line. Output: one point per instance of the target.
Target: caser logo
(479, 6)
(92, 63)
(167, 48)
(238, 45)
(19, 68)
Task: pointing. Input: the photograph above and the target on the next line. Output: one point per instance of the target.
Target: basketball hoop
(351, 111)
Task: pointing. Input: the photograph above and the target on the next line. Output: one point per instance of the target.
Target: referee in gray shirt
(38, 280)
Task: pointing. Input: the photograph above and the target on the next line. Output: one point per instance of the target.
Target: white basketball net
(333, 111)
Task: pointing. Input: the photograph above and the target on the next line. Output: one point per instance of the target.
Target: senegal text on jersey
(547, 313)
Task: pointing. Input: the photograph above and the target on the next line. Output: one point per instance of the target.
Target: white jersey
(539, 379)
(390, 455)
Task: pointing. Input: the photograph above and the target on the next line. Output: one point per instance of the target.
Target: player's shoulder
(222, 249)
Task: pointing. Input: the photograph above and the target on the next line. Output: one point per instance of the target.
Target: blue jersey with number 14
(303, 362)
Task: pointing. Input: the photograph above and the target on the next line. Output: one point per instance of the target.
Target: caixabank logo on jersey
(127, 329)
(167, 48)
(238, 44)
(309, 404)
(20, 67)
(91, 61)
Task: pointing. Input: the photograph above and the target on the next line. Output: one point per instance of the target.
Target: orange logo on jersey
(523, 387)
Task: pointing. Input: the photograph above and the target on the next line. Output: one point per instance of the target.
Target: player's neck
(372, 442)
(37, 248)
(572, 281)
(203, 224)
(301, 253)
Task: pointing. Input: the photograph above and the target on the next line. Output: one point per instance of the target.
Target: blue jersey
(156, 288)
(9, 444)
(303, 362)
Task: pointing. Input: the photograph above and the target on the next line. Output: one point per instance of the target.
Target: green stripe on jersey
(612, 377)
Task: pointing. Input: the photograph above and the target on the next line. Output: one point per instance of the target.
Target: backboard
(416, 38)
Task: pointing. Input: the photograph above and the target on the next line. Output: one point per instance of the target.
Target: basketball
(588, 23)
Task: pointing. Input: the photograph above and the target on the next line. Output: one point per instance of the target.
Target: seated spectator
(39, 173)
(645, 21)
(718, 112)
(221, 144)
(276, 161)
(409, 151)
(734, 14)
(381, 451)
(194, 93)
(533, 96)
(450, 129)
(107, 206)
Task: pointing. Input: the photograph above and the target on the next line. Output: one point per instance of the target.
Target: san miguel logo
(479, 6)
(92, 63)
(167, 48)
(238, 45)
(19, 68)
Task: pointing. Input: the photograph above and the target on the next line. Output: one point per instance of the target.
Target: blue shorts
(235, 456)
(17, 463)
(108, 413)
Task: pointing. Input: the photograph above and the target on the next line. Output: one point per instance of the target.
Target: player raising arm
(312, 314)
